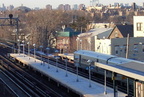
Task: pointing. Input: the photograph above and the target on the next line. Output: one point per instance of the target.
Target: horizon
(55, 3)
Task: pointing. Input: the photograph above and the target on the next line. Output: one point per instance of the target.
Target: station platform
(81, 86)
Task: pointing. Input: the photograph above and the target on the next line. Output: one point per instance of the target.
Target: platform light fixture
(34, 45)
(41, 54)
(23, 47)
(18, 46)
(28, 49)
(89, 68)
(48, 55)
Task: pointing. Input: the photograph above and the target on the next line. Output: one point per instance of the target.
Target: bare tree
(44, 24)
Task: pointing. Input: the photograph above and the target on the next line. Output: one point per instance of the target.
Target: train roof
(94, 54)
(120, 60)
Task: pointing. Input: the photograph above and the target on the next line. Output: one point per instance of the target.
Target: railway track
(16, 89)
(28, 82)
(95, 77)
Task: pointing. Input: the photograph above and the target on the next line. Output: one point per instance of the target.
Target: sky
(55, 3)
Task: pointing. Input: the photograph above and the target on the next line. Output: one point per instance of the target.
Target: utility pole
(127, 50)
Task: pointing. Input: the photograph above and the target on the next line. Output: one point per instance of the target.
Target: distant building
(11, 7)
(116, 4)
(134, 6)
(49, 7)
(22, 8)
(75, 7)
(67, 7)
(121, 4)
(36, 8)
(82, 7)
(3, 8)
(64, 7)
(61, 7)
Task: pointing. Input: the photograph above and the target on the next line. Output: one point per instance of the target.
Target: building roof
(104, 34)
(68, 32)
(125, 30)
(99, 32)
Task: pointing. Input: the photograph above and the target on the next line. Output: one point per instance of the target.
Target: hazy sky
(55, 3)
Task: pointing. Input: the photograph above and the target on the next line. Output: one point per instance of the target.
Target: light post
(63, 27)
(56, 63)
(18, 46)
(81, 43)
(89, 61)
(105, 90)
(41, 53)
(56, 51)
(23, 47)
(48, 55)
(77, 42)
(13, 48)
(28, 50)
(34, 50)
(66, 66)
(77, 71)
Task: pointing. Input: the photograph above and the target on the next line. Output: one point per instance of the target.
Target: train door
(139, 89)
(77, 59)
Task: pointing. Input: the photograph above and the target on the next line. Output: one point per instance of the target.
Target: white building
(138, 26)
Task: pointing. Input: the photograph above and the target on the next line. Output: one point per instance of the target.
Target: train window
(84, 60)
(97, 60)
(76, 57)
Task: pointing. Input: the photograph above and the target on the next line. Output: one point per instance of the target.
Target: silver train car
(81, 58)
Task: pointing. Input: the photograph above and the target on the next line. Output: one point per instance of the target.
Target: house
(121, 31)
(66, 40)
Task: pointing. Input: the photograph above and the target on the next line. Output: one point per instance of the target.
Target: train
(81, 58)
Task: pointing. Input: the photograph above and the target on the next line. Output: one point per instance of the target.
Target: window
(76, 57)
(143, 48)
(135, 48)
(139, 26)
(116, 49)
(97, 60)
(125, 48)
